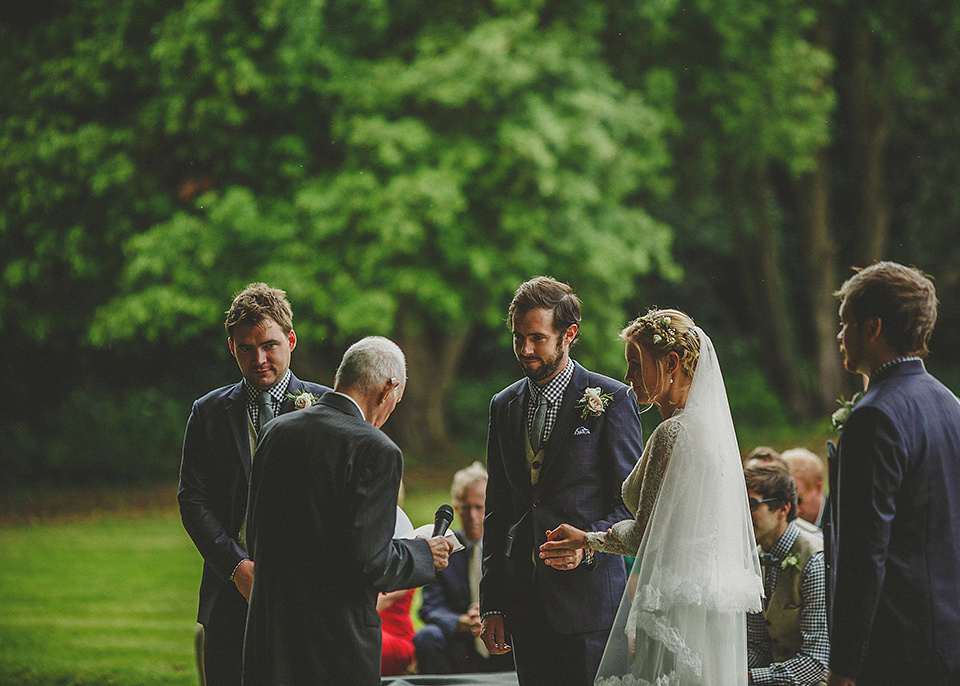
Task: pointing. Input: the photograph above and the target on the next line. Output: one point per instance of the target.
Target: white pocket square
(582, 431)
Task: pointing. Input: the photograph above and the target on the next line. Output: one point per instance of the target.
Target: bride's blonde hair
(661, 332)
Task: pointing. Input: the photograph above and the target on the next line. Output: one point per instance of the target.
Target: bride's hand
(563, 549)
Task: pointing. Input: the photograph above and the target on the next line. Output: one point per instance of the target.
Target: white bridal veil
(682, 618)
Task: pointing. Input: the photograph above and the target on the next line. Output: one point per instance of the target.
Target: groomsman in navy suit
(215, 469)
(550, 460)
(894, 562)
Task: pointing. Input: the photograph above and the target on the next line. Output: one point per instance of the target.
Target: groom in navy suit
(895, 562)
(215, 469)
(551, 460)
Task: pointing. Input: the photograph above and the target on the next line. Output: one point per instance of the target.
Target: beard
(548, 366)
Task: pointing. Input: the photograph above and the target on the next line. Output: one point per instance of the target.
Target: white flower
(840, 416)
(657, 338)
(302, 400)
(594, 402)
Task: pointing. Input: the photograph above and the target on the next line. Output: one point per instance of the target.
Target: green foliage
(89, 436)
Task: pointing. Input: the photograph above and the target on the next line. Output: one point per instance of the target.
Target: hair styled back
(805, 465)
(476, 473)
(258, 302)
(370, 363)
(547, 293)
(902, 297)
(773, 480)
(661, 332)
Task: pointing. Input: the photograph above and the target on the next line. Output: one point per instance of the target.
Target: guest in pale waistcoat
(787, 643)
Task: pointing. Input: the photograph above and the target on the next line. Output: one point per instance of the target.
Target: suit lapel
(236, 407)
(293, 388)
(516, 461)
(565, 418)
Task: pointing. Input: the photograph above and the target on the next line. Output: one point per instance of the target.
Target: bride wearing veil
(682, 620)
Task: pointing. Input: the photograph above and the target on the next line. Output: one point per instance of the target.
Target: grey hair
(465, 478)
(369, 363)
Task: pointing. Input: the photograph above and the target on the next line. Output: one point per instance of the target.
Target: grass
(111, 598)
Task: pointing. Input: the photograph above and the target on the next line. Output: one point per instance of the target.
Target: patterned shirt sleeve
(809, 666)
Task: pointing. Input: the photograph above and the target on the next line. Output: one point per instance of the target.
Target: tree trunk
(764, 294)
(870, 123)
(419, 424)
(814, 197)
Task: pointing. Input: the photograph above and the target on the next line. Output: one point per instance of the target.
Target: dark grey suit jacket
(320, 525)
(214, 477)
(896, 559)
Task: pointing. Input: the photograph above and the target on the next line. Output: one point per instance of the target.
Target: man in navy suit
(895, 561)
(551, 460)
(449, 642)
(215, 469)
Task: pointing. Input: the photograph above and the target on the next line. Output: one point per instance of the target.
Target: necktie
(536, 427)
(265, 408)
(473, 579)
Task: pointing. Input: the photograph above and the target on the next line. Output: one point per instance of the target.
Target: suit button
(536, 503)
(536, 464)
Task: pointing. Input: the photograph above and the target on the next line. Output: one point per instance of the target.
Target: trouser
(223, 640)
(440, 653)
(546, 657)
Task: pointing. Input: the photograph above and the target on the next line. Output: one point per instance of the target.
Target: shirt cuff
(761, 675)
(236, 568)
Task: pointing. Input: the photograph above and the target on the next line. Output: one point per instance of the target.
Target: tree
(444, 160)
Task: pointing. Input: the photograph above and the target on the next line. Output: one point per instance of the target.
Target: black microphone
(442, 520)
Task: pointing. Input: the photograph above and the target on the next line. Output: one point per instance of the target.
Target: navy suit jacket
(449, 596)
(584, 466)
(896, 599)
(214, 478)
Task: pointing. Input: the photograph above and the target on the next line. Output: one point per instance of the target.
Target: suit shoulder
(508, 393)
(609, 385)
(217, 395)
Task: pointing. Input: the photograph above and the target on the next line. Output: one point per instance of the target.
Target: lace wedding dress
(682, 619)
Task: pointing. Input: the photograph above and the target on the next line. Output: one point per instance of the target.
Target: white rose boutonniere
(593, 402)
(846, 407)
(791, 561)
(303, 399)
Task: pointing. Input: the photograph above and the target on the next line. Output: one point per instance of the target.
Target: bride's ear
(673, 362)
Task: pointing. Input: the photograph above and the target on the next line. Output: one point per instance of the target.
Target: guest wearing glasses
(787, 643)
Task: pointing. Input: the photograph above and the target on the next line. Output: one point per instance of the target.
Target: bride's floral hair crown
(663, 331)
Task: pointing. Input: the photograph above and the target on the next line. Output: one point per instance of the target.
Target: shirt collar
(350, 398)
(278, 392)
(782, 546)
(554, 389)
(893, 363)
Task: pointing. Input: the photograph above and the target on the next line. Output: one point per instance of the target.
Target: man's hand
(493, 635)
(441, 549)
(243, 578)
(837, 680)
(469, 621)
(564, 547)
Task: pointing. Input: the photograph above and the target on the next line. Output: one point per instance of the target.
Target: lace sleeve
(623, 538)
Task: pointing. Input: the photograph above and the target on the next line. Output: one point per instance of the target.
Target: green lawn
(109, 600)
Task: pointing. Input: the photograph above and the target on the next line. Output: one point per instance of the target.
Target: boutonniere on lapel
(302, 400)
(593, 403)
(791, 561)
(846, 407)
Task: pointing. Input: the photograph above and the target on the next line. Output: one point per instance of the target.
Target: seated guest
(397, 652)
(449, 643)
(787, 643)
(807, 470)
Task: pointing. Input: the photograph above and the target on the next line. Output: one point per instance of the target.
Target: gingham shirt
(277, 394)
(552, 392)
(809, 665)
(878, 372)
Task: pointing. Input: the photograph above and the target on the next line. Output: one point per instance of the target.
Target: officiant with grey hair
(320, 526)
